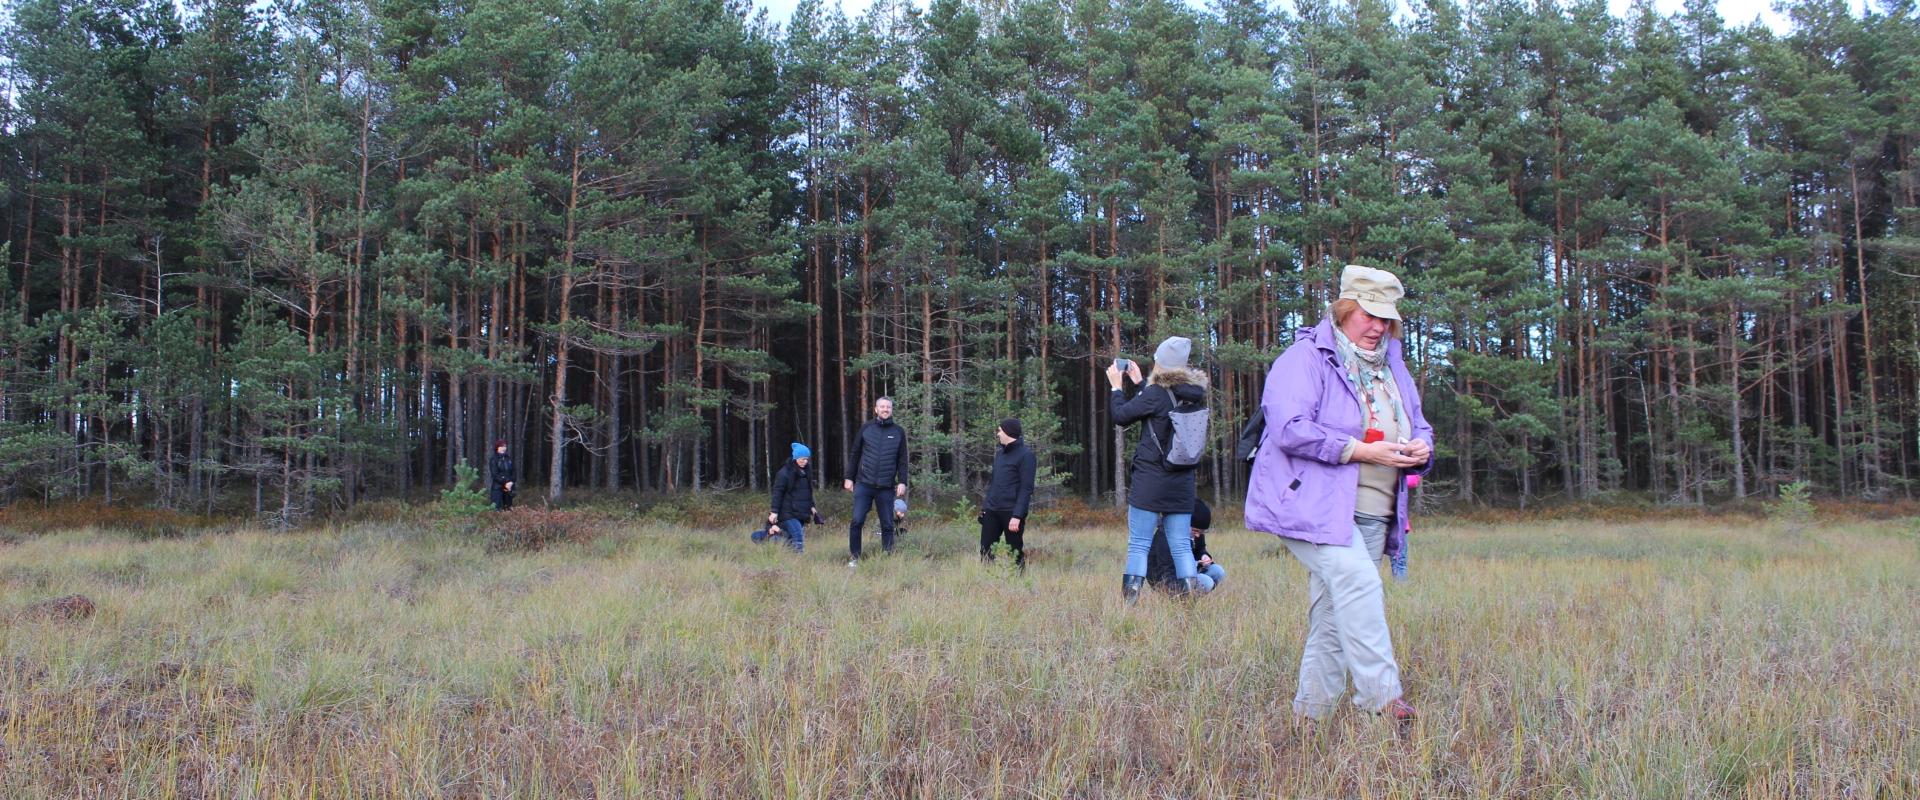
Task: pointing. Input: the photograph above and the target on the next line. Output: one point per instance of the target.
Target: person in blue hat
(792, 504)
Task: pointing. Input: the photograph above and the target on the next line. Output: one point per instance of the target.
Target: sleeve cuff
(1346, 453)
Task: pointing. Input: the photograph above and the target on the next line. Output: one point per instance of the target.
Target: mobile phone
(1121, 364)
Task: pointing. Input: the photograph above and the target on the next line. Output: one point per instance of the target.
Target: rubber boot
(1190, 588)
(1130, 587)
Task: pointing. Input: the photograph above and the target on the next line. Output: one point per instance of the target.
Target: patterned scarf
(1372, 380)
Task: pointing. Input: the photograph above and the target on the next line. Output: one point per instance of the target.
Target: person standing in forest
(1009, 492)
(876, 470)
(1344, 426)
(1160, 492)
(792, 506)
(500, 476)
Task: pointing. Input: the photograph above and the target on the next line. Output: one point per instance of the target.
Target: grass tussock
(378, 660)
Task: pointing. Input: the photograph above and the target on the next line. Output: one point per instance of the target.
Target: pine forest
(282, 258)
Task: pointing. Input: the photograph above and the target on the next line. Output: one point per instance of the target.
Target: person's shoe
(1130, 587)
(1190, 588)
(853, 563)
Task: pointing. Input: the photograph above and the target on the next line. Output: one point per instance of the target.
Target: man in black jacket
(1009, 491)
(500, 476)
(793, 497)
(877, 464)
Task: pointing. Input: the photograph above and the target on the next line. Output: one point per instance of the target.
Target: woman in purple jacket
(1344, 425)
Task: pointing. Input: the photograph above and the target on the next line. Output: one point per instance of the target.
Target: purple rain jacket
(1299, 489)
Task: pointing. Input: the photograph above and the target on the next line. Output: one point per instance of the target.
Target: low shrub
(711, 510)
(139, 521)
(377, 511)
(1075, 512)
(526, 530)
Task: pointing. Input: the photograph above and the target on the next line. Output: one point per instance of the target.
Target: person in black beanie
(1160, 558)
(1009, 493)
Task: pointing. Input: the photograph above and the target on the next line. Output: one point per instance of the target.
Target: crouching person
(792, 505)
(1160, 557)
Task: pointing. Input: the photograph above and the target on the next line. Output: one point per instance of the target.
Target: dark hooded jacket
(499, 469)
(1153, 486)
(879, 456)
(1011, 487)
(793, 493)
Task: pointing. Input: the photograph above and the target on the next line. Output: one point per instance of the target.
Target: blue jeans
(1140, 525)
(878, 499)
(1211, 577)
(796, 534)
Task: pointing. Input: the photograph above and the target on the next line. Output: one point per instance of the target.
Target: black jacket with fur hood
(1152, 486)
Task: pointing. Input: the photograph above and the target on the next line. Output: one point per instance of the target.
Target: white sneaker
(853, 563)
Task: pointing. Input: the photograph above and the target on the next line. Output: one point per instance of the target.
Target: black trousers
(879, 500)
(502, 499)
(993, 526)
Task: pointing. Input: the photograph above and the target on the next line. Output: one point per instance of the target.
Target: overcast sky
(1735, 12)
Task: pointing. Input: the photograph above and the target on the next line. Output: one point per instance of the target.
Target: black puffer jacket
(879, 456)
(793, 493)
(1011, 488)
(1152, 486)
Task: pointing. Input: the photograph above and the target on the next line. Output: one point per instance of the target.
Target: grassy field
(1623, 660)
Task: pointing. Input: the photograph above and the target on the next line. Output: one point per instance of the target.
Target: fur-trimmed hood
(1187, 384)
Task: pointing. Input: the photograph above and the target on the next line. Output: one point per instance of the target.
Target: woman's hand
(1419, 451)
(1386, 454)
(1113, 376)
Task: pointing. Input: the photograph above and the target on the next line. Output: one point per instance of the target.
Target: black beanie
(1011, 426)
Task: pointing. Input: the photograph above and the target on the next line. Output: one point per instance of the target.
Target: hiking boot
(1130, 587)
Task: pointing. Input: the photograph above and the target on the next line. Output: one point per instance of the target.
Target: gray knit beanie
(1173, 353)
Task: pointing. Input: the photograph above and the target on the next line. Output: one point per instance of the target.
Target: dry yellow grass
(1664, 659)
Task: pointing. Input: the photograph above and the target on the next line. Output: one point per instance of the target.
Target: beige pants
(1346, 624)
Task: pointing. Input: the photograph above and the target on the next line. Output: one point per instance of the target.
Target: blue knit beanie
(800, 451)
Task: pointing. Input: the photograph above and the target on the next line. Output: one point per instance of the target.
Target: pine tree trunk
(556, 460)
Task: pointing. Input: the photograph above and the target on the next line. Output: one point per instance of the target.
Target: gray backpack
(1189, 436)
